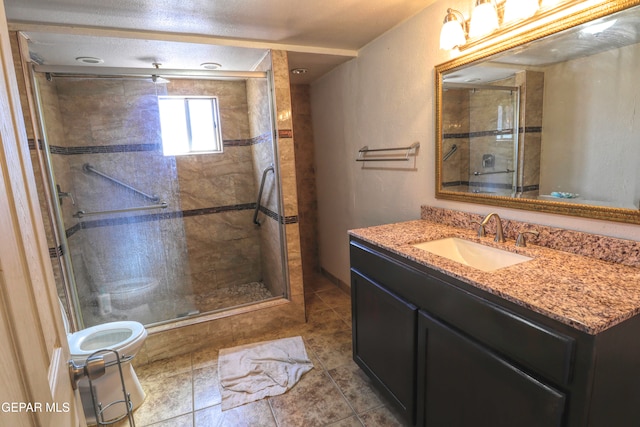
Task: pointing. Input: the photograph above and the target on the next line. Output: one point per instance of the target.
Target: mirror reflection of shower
(480, 126)
(155, 237)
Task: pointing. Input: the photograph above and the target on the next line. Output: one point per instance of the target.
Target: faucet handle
(481, 230)
(521, 241)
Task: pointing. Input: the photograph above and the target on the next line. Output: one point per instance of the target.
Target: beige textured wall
(579, 154)
(386, 97)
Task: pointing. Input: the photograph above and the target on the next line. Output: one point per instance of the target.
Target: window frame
(217, 146)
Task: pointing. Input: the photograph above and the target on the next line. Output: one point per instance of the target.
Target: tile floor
(183, 391)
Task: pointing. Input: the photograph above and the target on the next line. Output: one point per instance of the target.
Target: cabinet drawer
(544, 350)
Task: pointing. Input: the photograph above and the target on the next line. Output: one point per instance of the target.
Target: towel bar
(364, 150)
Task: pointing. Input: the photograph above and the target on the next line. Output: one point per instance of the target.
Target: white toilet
(130, 293)
(127, 339)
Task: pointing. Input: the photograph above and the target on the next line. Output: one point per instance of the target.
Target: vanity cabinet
(447, 353)
(467, 384)
(384, 343)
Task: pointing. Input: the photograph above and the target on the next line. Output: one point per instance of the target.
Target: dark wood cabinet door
(462, 383)
(384, 341)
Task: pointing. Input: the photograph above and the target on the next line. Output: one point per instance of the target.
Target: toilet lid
(111, 336)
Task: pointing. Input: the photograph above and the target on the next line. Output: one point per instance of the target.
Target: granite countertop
(587, 294)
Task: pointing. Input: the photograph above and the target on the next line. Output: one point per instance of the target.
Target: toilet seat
(124, 336)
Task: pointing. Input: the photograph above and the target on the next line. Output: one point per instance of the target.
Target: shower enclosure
(480, 138)
(153, 237)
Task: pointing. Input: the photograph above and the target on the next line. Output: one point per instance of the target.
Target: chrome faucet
(499, 232)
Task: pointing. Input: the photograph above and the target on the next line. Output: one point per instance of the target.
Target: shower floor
(177, 307)
(232, 296)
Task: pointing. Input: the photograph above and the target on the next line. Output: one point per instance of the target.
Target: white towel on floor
(251, 372)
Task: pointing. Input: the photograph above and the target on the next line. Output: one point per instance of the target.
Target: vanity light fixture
(453, 32)
(484, 19)
(494, 17)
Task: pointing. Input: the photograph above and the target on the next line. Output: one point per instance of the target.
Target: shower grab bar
(264, 176)
(82, 214)
(492, 173)
(364, 150)
(449, 153)
(88, 168)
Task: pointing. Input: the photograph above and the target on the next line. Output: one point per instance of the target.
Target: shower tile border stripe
(528, 129)
(84, 225)
(277, 217)
(520, 189)
(56, 252)
(285, 133)
(132, 148)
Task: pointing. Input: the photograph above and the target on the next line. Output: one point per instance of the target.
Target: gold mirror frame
(587, 211)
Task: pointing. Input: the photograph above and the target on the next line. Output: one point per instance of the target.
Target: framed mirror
(548, 120)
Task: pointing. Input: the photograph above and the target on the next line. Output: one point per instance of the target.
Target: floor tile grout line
(353, 410)
(273, 413)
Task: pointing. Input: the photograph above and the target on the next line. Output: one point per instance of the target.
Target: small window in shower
(189, 125)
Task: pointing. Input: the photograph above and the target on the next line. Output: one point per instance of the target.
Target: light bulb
(452, 34)
(484, 19)
(515, 10)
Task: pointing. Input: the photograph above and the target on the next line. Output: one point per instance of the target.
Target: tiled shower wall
(270, 216)
(473, 128)
(491, 123)
(186, 336)
(306, 177)
(455, 131)
(113, 126)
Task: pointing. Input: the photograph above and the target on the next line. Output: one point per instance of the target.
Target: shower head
(159, 80)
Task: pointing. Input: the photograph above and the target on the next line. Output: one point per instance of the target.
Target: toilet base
(108, 389)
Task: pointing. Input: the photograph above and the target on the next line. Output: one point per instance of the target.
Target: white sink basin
(485, 258)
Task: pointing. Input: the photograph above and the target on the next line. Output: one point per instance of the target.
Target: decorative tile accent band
(521, 189)
(56, 252)
(32, 144)
(477, 184)
(285, 133)
(53, 252)
(100, 149)
(531, 187)
(74, 229)
(604, 248)
(276, 217)
(131, 148)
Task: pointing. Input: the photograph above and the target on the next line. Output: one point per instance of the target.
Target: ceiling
(182, 34)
